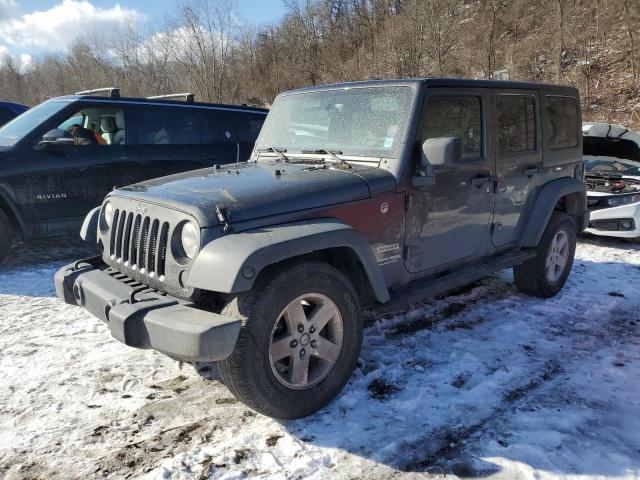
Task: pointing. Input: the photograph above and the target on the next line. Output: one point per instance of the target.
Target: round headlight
(190, 238)
(107, 213)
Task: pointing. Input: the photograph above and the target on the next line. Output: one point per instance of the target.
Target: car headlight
(190, 239)
(107, 214)
(623, 200)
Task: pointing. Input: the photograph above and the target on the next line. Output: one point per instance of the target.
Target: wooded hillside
(591, 44)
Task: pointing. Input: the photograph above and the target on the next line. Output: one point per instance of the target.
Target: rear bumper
(147, 319)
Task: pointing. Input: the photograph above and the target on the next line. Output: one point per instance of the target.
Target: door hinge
(412, 201)
(496, 227)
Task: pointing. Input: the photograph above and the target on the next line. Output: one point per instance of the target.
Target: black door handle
(531, 171)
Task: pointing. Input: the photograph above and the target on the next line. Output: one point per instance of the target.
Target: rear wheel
(300, 340)
(6, 235)
(545, 274)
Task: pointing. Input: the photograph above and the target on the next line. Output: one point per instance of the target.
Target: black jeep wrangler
(354, 192)
(59, 159)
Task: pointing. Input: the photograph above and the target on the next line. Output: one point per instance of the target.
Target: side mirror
(441, 152)
(437, 152)
(56, 138)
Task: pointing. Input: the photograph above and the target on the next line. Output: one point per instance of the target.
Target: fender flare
(89, 229)
(230, 264)
(5, 198)
(546, 201)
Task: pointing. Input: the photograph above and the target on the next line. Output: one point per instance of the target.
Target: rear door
(449, 221)
(169, 138)
(518, 159)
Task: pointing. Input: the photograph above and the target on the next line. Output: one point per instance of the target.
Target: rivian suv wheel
(300, 340)
(544, 275)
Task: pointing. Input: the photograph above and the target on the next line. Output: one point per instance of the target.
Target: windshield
(366, 121)
(599, 165)
(19, 127)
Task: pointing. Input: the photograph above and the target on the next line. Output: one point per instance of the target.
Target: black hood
(254, 190)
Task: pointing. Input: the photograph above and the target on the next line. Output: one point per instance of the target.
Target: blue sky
(29, 28)
(256, 11)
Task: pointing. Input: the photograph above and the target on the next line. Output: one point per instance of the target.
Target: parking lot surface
(483, 383)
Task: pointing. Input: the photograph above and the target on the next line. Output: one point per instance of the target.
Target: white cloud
(58, 27)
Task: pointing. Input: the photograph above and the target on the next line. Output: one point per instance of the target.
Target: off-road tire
(6, 235)
(530, 276)
(248, 373)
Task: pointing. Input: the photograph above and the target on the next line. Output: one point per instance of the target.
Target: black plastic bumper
(144, 319)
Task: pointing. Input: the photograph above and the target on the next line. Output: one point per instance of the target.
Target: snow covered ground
(485, 383)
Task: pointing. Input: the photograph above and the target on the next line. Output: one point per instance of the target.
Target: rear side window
(168, 126)
(562, 122)
(516, 119)
(456, 116)
(5, 115)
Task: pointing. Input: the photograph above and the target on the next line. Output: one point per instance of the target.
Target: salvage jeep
(354, 195)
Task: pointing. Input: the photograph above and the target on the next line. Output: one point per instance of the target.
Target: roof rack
(188, 97)
(112, 91)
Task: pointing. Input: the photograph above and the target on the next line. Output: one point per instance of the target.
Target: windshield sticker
(388, 142)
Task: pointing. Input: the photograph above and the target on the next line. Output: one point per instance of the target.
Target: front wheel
(544, 275)
(300, 340)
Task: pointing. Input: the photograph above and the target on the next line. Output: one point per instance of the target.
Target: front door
(449, 220)
(518, 160)
(69, 180)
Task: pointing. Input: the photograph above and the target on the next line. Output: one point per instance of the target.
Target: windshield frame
(34, 119)
(297, 155)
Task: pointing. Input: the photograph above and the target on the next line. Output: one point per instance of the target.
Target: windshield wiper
(279, 151)
(342, 164)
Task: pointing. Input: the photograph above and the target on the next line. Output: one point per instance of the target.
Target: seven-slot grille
(139, 242)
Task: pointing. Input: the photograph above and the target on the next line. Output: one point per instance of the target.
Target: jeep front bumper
(147, 319)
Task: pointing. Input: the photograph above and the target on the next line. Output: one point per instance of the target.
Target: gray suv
(354, 193)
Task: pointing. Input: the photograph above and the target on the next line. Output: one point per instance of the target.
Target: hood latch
(224, 217)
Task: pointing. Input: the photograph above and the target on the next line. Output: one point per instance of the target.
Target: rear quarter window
(230, 127)
(561, 126)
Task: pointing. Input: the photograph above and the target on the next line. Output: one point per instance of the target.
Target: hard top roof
(444, 82)
(148, 101)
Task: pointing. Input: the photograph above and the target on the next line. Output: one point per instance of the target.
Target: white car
(612, 176)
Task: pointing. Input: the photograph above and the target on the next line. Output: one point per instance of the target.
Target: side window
(96, 126)
(456, 116)
(5, 115)
(245, 127)
(211, 125)
(562, 122)
(516, 121)
(231, 127)
(168, 126)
